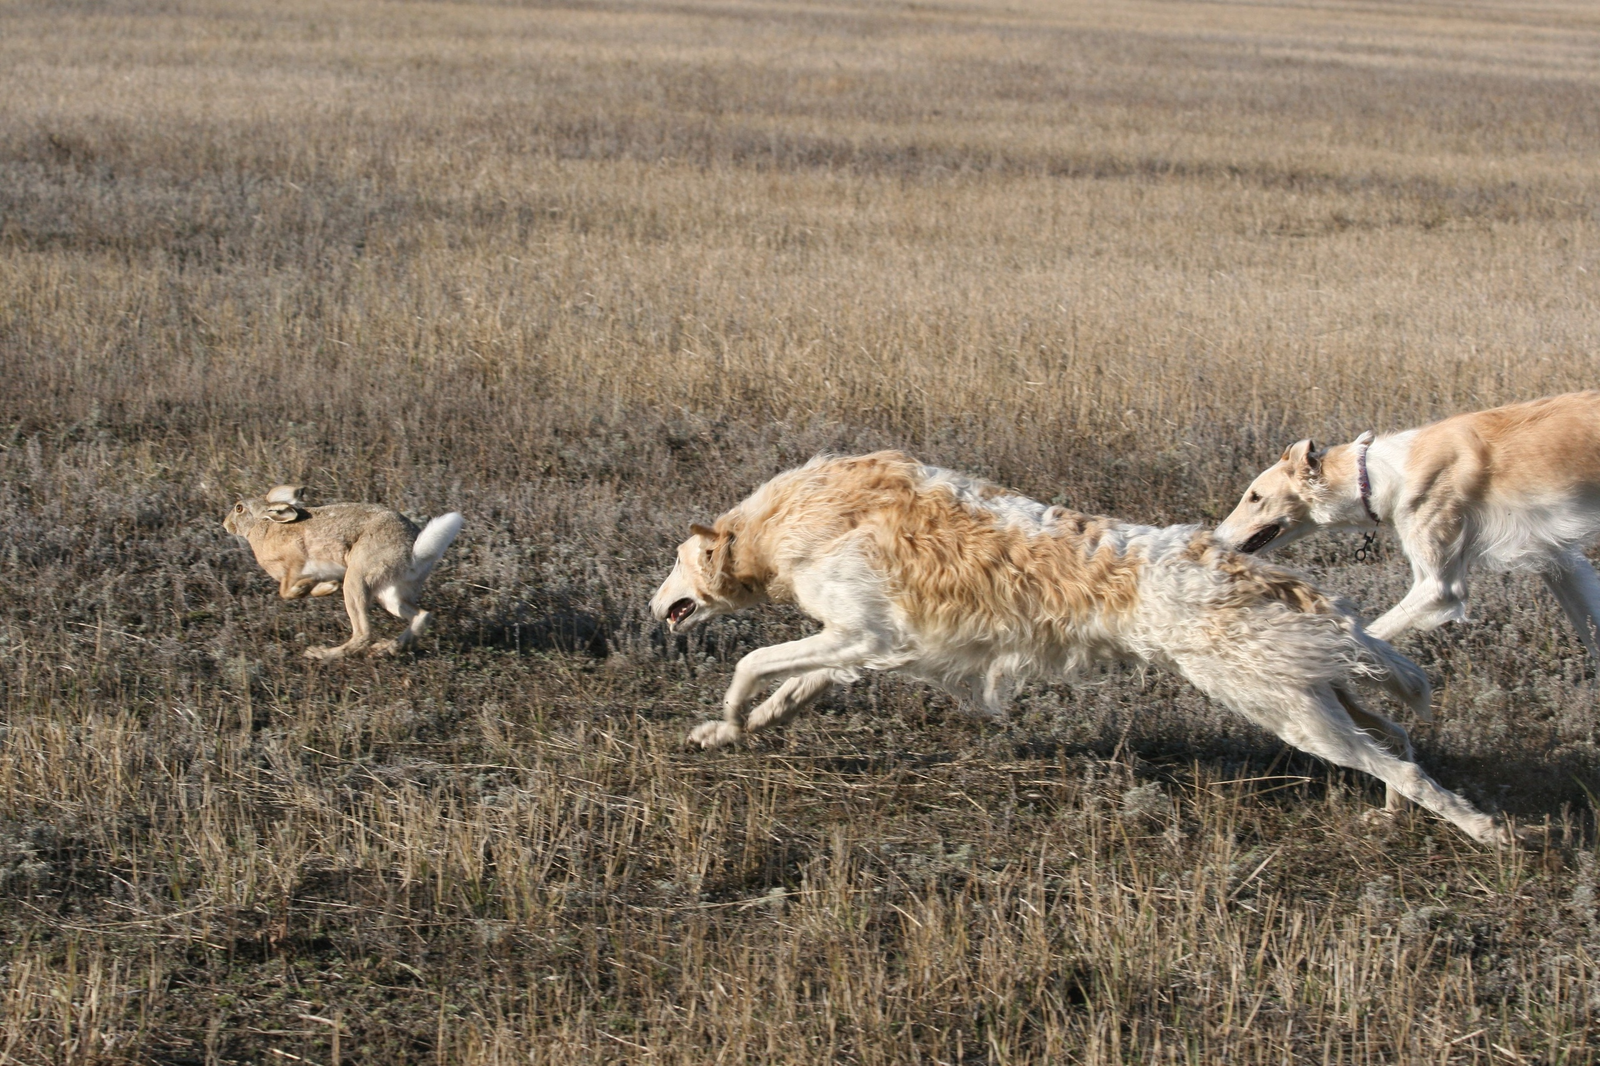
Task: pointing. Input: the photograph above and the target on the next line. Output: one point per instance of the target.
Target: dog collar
(1364, 483)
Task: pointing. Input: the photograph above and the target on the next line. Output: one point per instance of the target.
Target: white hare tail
(431, 543)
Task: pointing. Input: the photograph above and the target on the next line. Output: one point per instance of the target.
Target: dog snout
(1260, 539)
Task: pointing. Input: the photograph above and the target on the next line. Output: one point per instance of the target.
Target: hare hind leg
(357, 595)
(400, 602)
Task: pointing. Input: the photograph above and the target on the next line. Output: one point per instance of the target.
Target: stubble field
(587, 272)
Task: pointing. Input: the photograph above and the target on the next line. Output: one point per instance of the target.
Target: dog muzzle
(1260, 539)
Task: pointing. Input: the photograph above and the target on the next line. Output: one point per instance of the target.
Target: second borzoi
(955, 581)
(1515, 487)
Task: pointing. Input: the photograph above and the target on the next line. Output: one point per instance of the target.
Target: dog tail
(1398, 675)
(431, 543)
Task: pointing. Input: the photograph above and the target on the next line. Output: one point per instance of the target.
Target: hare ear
(281, 512)
(289, 494)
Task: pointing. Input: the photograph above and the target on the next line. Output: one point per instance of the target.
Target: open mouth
(680, 610)
(1260, 539)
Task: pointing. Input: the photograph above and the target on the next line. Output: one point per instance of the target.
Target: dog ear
(1367, 437)
(281, 512)
(718, 568)
(1303, 458)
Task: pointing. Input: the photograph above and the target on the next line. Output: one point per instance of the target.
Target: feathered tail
(1398, 675)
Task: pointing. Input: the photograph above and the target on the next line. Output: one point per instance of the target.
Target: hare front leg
(294, 583)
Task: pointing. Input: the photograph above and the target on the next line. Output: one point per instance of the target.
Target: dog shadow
(1529, 785)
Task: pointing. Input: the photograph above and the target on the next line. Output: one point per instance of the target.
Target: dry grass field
(588, 271)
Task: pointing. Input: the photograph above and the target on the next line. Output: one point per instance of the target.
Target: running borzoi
(958, 582)
(1516, 487)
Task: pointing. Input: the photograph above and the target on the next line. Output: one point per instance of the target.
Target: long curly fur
(956, 581)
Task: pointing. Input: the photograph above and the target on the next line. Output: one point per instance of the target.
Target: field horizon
(589, 272)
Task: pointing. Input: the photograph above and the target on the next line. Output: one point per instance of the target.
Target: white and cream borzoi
(957, 582)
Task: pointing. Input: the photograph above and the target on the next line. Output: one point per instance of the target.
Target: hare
(372, 552)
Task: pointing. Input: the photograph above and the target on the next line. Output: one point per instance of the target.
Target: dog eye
(1255, 497)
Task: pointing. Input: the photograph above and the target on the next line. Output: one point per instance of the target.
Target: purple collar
(1363, 482)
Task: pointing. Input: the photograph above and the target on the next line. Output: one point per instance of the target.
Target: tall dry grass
(588, 272)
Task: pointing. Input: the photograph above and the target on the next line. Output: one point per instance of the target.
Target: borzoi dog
(1516, 487)
(956, 581)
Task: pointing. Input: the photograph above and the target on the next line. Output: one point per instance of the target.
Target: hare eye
(238, 507)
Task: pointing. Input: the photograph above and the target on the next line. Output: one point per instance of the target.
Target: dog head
(702, 584)
(1277, 507)
(281, 504)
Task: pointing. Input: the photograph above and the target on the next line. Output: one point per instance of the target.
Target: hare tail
(432, 542)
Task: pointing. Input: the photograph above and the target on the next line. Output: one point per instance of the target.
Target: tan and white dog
(956, 581)
(1516, 488)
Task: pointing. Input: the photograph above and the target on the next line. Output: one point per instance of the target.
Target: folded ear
(1367, 437)
(281, 512)
(702, 531)
(289, 494)
(1303, 458)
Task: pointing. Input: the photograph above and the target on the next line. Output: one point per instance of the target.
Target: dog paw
(382, 648)
(323, 653)
(708, 735)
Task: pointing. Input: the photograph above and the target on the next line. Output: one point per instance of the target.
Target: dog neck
(1359, 506)
(748, 570)
(1364, 480)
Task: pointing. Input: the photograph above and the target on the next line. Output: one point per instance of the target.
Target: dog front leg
(792, 697)
(1433, 600)
(837, 654)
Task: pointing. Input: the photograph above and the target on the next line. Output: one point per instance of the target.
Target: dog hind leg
(1320, 724)
(1389, 735)
(1577, 588)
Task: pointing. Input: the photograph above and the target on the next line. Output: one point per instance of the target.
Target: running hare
(373, 552)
